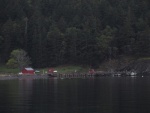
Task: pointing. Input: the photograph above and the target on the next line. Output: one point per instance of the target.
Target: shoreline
(67, 76)
(11, 77)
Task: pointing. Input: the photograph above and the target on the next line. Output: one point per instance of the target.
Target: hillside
(139, 66)
(75, 32)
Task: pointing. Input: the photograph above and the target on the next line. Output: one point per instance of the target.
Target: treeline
(55, 32)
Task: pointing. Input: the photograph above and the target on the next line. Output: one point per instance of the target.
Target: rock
(139, 66)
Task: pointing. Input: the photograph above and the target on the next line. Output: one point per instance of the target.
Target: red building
(91, 71)
(50, 71)
(28, 71)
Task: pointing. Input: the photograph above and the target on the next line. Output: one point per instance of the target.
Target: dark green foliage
(56, 32)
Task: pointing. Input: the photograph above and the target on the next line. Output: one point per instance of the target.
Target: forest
(82, 32)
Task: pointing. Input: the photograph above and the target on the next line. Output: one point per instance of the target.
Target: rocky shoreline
(140, 66)
(10, 77)
(70, 76)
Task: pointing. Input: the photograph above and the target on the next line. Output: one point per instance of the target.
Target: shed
(91, 71)
(28, 71)
(50, 71)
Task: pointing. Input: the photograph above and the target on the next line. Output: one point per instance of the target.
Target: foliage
(55, 32)
(12, 63)
(18, 59)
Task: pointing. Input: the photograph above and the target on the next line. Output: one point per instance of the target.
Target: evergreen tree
(56, 32)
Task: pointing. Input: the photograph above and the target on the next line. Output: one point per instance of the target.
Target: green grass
(71, 69)
(145, 58)
(6, 70)
(64, 69)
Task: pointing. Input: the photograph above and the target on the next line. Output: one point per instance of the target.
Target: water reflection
(103, 95)
(25, 93)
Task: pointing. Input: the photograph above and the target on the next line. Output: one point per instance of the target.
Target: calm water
(102, 95)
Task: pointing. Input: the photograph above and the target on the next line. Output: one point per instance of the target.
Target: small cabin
(28, 71)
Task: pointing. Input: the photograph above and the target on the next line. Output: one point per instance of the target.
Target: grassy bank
(60, 69)
(65, 69)
(6, 70)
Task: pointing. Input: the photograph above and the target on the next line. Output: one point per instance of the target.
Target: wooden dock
(71, 76)
(87, 75)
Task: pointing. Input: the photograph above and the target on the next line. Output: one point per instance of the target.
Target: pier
(69, 76)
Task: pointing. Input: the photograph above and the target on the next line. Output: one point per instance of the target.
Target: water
(102, 95)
